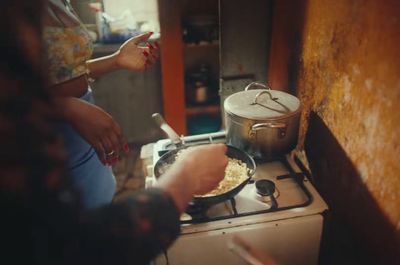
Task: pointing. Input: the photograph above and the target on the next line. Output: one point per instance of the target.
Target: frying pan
(168, 158)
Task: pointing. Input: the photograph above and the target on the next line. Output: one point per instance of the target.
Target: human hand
(98, 128)
(197, 170)
(132, 57)
(205, 165)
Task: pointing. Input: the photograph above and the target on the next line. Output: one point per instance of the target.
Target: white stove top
(294, 194)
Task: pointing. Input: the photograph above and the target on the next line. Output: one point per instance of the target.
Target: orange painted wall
(351, 77)
(172, 67)
(348, 79)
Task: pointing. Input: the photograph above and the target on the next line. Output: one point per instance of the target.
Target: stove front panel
(291, 235)
(290, 241)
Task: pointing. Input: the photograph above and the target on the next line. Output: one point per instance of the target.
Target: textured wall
(349, 81)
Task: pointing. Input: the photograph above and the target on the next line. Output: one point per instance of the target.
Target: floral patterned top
(68, 49)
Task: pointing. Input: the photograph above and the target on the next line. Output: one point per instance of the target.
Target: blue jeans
(95, 182)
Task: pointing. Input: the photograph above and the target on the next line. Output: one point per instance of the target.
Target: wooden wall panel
(287, 27)
(172, 64)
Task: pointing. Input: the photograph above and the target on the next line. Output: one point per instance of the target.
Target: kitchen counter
(113, 47)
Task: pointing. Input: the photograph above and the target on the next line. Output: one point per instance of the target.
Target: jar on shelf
(198, 85)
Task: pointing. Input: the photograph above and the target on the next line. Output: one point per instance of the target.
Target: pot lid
(262, 104)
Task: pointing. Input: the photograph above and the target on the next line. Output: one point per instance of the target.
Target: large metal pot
(262, 122)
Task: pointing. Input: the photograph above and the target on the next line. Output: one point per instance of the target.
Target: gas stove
(279, 210)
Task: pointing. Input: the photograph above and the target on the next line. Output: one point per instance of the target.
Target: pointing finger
(141, 38)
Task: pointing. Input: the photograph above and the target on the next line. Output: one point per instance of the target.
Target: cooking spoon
(176, 140)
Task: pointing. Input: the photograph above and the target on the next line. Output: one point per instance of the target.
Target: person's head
(20, 27)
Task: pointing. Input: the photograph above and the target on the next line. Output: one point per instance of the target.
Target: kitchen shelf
(185, 58)
(206, 109)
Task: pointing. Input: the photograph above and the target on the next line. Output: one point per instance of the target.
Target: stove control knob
(265, 187)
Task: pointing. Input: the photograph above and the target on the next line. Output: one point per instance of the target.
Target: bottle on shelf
(198, 85)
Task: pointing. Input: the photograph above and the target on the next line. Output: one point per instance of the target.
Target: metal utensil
(176, 140)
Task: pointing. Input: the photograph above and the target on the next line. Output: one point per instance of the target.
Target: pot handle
(269, 125)
(266, 86)
(260, 93)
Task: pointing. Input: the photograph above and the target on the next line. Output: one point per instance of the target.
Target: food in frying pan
(235, 173)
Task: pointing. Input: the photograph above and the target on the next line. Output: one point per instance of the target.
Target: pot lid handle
(266, 86)
(263, 92)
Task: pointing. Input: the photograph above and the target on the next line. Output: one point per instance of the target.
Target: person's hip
(75, 87)
(77, 149)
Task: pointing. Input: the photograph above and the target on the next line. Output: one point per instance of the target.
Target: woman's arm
(136, 229)
(95, 125)
(132, 231)
(129, 56)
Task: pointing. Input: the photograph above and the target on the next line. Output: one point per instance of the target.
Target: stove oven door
(293, 241)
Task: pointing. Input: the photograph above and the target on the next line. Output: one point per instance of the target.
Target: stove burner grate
(198, 213)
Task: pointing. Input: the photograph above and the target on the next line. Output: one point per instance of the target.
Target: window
(144, 12)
